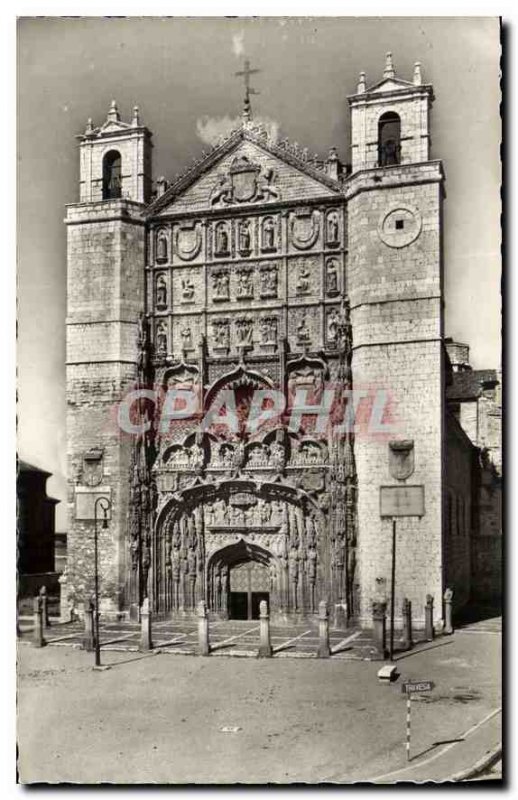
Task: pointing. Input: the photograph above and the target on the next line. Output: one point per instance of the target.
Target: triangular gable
(390, 85)
(245, 170)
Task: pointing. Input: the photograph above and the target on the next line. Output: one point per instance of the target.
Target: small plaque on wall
(402, 501)
(85, 502)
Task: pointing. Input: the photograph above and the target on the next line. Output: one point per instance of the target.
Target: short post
(379, 611)
(265, 645)
(407, 641)
(88, 638)
(45, 606)
(323, 630)
(203, 629)
(146, 642)
(428, 618)
(448, 601)
(38, 639)
(408, 724)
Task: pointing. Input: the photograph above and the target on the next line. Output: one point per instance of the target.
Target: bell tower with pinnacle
(395, 195)
(105, 268)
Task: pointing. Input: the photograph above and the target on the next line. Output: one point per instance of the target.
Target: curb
(479, 766)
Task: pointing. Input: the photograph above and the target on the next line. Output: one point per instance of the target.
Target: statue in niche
(244, 331)
(312, 564)
(294, 564)
(268, 234)
(265, 513)
(161, 293)
(221, 239)
(197, 456)
(187, 289)
(186, 335)
(161, 338)
(303, 278)
(245, 286)
(269, 282)
(332, 228)
(268, 328)
(278, 451)
(303, 333)
(332, 276)
(161, 247)
(221, 286)
(332, 326)
(221, 334)
(244, 237)
(225, 455)
(238, 460)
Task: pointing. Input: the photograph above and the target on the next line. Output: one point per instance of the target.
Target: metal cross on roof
(245, 74)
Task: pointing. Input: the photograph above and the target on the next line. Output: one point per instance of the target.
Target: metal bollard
(38, 639)
(45, 606)
(265, 645)
(407, 641)
(89, 634)
(203, 629)
(146, 642)
(428, 618)
(379, 620)
(448, 603)
(324, 650)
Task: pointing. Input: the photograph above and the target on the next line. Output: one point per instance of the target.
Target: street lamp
(104, 504)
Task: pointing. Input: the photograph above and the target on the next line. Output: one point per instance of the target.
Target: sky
(180, 71)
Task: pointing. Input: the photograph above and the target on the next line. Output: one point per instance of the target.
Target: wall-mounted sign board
(401, 501)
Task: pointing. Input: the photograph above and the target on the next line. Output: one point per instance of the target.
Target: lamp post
(104, 504)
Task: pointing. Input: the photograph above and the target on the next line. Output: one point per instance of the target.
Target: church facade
(260, 273)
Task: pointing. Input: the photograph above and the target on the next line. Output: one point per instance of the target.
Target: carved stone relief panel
(187, 287)
(220, 285)
(304, 277)
(244, 283)
(220, 340)
(186, 334)
(304, 328)
(268, 333)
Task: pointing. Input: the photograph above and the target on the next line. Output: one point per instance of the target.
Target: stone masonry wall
(105, 295)
(395, 294)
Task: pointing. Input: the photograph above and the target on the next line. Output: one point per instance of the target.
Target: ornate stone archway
(207, 528)
(242, 568)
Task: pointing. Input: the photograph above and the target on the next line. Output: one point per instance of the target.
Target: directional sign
(412, 687)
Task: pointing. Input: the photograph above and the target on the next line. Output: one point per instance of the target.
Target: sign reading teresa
(413, 687)
(402, 501)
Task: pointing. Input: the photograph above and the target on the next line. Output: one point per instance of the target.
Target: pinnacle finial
(89, 126)
(389, 67)
(417, 74)
(113, 113)
(362, 87)
(136, 118)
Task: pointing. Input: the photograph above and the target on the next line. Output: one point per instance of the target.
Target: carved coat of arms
(401, 459)
(244, 183)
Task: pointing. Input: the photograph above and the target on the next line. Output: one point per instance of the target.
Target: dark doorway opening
(238, 605)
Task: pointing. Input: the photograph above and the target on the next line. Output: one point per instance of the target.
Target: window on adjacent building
(111, 175)
(389, 139)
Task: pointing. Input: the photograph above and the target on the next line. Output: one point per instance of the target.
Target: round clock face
(400, 226)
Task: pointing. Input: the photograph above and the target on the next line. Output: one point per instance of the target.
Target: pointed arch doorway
(239, 578)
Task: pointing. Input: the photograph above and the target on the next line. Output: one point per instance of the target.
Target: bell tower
(395, 195)
(390, 121)
(105, 298)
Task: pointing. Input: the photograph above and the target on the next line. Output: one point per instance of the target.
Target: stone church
(260, 269)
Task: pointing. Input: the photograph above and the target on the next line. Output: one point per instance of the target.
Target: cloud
(238, 47)
(212, 129)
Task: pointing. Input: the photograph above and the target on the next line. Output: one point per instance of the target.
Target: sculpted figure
(268, 237)
(161, 293)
